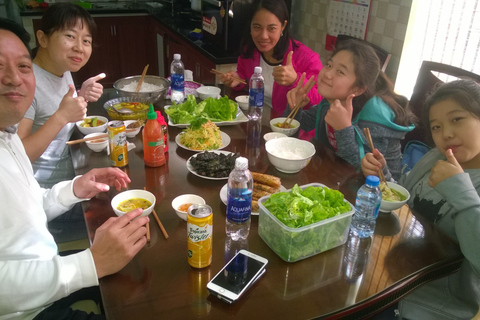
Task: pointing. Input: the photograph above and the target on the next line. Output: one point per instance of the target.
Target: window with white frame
(445, 31)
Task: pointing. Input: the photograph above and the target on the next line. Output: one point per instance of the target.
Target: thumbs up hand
(339, 116)
(92, 90)
(285, 75)
(72, 109)
(444, 169)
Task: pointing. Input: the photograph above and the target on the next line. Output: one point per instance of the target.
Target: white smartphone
(240, 273)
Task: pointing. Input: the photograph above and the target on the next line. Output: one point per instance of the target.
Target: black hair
(65, 15)
(375, 82)
(466, 92)
(18, 30)
(279, 9)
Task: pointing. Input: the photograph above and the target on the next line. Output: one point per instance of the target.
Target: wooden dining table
(352, 281)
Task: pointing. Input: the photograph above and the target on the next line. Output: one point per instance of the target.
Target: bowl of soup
(181, 204)
(289, 128)
(394, 196)
(133, 199)
(99, 144)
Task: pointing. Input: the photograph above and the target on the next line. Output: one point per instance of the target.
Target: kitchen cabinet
(122, 46)
(192, 58)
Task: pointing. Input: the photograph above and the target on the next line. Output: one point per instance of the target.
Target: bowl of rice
(153, 88)
(289, 155)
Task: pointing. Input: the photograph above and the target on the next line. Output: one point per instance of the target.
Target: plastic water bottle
(177, 77)
(255, 95)
(367, 205)
(239, 200)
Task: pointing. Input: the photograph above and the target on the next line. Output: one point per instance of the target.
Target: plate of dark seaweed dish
(212, 165)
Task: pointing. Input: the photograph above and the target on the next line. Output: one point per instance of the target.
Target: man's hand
(117, 241)
(91, 90)
(444, 169)
(99, 180)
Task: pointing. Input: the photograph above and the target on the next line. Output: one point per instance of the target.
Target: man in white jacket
(35, 282)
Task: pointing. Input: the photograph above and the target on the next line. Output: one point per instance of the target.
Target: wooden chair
(382, 54)
(426, 82)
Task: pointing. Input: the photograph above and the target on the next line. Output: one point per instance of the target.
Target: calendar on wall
(349, 17)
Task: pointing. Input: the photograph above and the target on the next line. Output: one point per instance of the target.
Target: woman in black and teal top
(356, 95)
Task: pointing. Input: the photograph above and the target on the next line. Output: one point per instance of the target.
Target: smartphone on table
(239, 274)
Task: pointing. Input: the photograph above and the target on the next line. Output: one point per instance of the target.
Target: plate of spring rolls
(263, 185)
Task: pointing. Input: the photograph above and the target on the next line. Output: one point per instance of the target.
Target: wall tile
(386, 28)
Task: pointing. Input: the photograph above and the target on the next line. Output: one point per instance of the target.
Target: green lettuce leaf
(216, 110)
(299, 208)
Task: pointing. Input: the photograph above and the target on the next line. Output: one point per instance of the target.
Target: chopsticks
(366, 131)
(234, 78)
(148, 232)
(139, 85)
(291, 116)
(94, 138)
(165, 234)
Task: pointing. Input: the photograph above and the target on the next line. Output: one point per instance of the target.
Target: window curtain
(444, 31)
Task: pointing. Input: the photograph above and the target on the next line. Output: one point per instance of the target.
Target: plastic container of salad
(293, 244)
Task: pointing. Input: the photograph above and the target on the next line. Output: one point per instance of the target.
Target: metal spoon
(123, 110)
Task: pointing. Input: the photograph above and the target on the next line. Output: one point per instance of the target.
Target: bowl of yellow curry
(394, 196)
(133, 199)
(289, 128)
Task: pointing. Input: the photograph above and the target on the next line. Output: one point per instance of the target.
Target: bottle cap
(241, 163)
(258, 70)
(160, 118)
(151, 115)
(177, 56)
(373, 180)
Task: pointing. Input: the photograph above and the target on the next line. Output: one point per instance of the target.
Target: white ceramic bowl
(242, 102)
(205, 92)
(88, 130)
(183, 199)
(97, 145)
(132, 134)
(273, 135)
(129, 194)
(289, 155)
(387, 206)
(288, 131)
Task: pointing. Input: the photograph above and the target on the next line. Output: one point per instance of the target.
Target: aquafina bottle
(239, 200)
(177, 76)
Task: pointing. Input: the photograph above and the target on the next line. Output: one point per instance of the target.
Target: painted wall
(387, 26)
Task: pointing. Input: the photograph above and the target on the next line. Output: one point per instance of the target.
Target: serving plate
(192, 170)
(241, 117)
(223, 196)
(225, 142)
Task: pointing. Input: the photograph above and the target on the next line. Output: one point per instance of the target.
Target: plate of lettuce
(222, 112)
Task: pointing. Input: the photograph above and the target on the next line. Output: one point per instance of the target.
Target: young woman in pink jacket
(283, 60)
